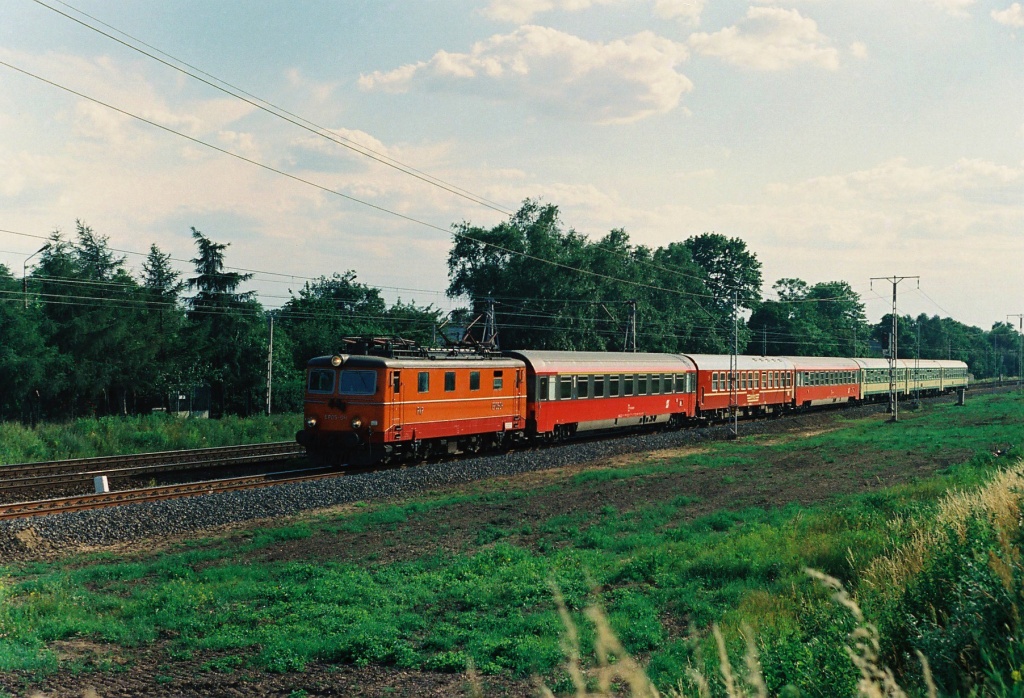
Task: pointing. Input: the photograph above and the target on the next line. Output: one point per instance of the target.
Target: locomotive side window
(358, 383)
(449, 381)
(396, 381)
(474, 380)
(321, 381)
(499, 382)
(423, 381)
(598, 386)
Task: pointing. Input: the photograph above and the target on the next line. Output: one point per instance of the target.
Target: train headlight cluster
(310, 423)
(336, 361)
(356, 422)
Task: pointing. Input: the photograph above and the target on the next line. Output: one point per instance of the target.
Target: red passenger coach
(569, 392)
(369, 408)
(763, 384)
(825, 380)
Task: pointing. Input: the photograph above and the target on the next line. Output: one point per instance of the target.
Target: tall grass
(954, 589)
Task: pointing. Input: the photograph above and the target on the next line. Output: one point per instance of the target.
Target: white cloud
(615, 82)
(769, 38)
(954, 8)
(858, 50)
(521, 11)
(1012, 16)
(687, 11)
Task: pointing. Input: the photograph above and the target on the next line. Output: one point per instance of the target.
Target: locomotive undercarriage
(336, 451)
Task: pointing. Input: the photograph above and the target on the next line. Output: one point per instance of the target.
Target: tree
(226, 332)
(91, 309)
(826, 319)
(164, 320)
(555, 289)
(25, 360)
(731, 270)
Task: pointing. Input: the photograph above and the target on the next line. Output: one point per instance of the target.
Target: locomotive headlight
(310, 423)
(336, 361)
(356, 422)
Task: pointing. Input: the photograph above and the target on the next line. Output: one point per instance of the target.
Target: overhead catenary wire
(317, 129)
(348, 197)
(273, 109)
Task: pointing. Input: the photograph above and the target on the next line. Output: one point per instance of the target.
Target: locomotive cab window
(423, 381)
(499, 382)
(396, 381)
(449, 381)
(321, 380)
(358, 383)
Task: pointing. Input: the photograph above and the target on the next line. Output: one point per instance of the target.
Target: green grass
(85, 438)
(654, 568)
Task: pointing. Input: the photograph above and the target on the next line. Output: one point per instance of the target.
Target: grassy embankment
(665, 546)
(85, 438)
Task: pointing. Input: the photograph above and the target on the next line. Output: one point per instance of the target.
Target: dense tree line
(91, 337)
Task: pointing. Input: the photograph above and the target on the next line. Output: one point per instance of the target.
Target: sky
(840, 139)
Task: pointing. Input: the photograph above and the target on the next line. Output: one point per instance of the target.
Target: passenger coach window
(423, 381)
(565, 387)
(629, 384)
(542, 388)
(583, 386)
(641, 387)
(358, 383)
(321, 380)
(613, 386)
(598, 386)
(474, 380)
(449, 381)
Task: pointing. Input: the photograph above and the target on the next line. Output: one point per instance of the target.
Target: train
(387, 400)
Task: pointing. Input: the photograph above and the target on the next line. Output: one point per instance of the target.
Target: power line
(274, 110)
(348, 197)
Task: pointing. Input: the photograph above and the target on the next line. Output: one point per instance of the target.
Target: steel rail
(46, 507)
(77, 478)
(183, 457)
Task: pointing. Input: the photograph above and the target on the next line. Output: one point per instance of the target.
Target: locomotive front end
(340, 410)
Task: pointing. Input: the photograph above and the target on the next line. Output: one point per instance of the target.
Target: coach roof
(603, 362)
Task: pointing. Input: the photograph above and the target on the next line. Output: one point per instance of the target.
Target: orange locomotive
(391, 403)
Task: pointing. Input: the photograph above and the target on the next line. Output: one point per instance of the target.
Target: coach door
(518, 392)
(396, 405)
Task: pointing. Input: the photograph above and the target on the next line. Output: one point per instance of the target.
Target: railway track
(42, 507)
(75, 478)
(62, 505)
(166, 460)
